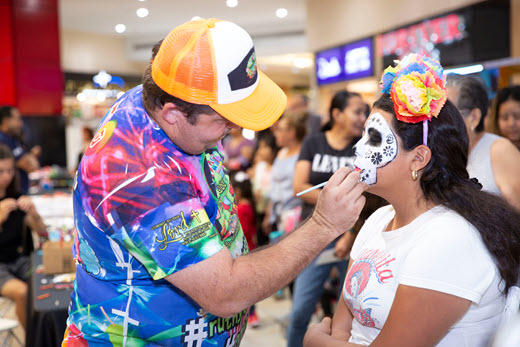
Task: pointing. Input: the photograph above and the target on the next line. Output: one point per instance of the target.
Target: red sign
(418, 38)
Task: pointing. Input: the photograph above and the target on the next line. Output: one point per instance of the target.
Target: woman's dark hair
(154, 97)
(13, 187)
(339, 101)
(472, 94)
(244, 185)
(297, 120)
(503, 95)
(445, 181)
(266, 136)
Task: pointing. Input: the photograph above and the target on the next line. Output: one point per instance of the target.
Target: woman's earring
(414, 175)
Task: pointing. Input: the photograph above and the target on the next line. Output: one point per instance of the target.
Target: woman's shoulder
(314, 138)
(446, 224)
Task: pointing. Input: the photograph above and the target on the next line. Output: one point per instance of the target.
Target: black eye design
(374, 137)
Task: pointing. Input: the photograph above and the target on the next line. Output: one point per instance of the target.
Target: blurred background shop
(63, 63)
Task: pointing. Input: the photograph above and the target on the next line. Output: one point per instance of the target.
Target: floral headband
(417, 88)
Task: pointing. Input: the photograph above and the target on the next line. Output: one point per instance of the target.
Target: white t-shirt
(439, 251)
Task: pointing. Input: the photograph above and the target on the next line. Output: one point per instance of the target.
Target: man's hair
(154, 97)
(5, 112)
(472, 94)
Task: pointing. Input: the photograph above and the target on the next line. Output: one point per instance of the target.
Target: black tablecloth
(47, 317)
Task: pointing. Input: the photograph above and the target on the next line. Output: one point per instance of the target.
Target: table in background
(46, 318)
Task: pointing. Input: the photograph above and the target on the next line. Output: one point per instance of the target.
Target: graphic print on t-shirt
(370, 269)
(227, 215)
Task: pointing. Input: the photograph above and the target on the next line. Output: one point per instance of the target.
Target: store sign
(344, 63)
(329, 66)
(102, 79)
(422, 37)
(358, 59)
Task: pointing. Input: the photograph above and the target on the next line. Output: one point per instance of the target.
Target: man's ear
(421, 158)
(171, 113)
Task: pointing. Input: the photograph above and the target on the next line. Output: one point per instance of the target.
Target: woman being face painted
(377, 147)
(434, 258)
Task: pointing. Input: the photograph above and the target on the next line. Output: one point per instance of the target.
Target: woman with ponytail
(434, 267)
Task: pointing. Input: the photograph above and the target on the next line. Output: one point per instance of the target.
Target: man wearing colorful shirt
(159, 249)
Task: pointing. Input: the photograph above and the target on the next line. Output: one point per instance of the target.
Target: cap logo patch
(251, 66)
(245, 74)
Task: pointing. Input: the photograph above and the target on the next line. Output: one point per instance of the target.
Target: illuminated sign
(329, 66)
(422, 37)
(347, 62)
(102, 79)
(473, 34)
(358, 59)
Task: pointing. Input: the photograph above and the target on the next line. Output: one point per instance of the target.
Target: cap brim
(259, 110)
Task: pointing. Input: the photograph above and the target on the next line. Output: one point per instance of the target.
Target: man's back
(143, 211)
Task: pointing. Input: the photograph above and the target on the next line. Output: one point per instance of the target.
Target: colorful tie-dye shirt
(144, 210)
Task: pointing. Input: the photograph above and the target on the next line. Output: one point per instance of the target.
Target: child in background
(260, 175)
(246, 215)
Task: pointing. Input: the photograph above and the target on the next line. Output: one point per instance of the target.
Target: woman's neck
(2, 193)
(293, 148)
(474, 138)
(407, 209)
(337, 138)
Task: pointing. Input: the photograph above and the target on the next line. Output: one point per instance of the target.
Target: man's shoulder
(6, 139)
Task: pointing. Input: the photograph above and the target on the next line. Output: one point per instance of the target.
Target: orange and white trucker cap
(213, 62)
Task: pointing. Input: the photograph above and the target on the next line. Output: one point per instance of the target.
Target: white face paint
(377, 147)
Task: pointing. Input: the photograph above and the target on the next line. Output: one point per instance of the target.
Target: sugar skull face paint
(377, 147)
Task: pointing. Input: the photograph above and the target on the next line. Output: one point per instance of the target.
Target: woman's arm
(335, 332)
(418, 317)
(505, 162)
(430, 313)
(32, 217)
(301, 182)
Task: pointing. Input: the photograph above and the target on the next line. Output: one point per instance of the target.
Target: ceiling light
(302, 63)
(282, 12)
(232, 3)
(248, 134)
(195, 18)
(465, 70)
(101, 96)
(81, 97)
(120, 28)
(142, 12)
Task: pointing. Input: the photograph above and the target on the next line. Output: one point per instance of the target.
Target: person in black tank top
(17, 217)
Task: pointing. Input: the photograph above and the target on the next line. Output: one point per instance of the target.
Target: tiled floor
(273, 314)
(19, 331)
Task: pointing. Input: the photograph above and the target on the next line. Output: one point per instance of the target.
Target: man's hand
(6, 207)
(317, 333)
(28, 163)
(340, 201)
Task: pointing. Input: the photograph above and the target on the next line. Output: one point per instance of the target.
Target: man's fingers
(338, 177)
(349, 181)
